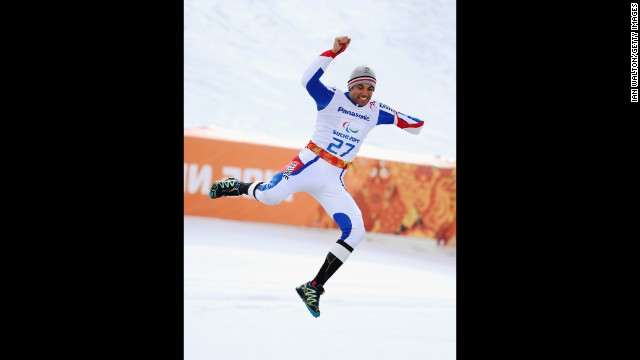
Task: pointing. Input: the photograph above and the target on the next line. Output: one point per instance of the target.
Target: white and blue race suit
(341, 127)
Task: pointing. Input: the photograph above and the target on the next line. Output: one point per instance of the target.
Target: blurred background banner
(416, 200)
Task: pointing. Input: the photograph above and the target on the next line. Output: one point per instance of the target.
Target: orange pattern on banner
(400, 198)
(394, 197)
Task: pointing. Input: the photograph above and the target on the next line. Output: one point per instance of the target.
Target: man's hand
(340, 44)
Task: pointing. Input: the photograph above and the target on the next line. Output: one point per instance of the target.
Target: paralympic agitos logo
(346, 126)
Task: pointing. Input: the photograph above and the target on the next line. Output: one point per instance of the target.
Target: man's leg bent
(294, 177)
(347, 215)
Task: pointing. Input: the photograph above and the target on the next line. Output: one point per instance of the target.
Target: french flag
(408, 123)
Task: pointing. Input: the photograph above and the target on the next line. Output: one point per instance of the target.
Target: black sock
(332, 263)
(244, 187)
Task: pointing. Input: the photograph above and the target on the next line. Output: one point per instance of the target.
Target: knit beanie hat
(362, 75)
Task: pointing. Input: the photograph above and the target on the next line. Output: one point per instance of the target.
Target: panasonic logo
(352, 113)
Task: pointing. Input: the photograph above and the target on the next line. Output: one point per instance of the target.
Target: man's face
(361, 94)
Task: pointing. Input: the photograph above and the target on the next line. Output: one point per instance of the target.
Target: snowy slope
(392, 299)
(244, 59)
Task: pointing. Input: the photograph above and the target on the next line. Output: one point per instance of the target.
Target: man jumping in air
(343, 122)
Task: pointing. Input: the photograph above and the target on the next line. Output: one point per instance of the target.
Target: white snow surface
(394, 298)
(244, 59)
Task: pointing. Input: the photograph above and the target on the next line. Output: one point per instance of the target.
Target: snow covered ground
(394, 298)
(243, 61)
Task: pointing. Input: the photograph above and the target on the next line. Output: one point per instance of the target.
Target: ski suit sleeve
(388, 116)
(311, 80)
